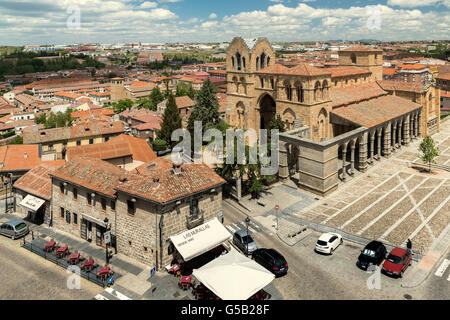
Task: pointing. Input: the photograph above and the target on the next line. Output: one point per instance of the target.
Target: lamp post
(106, 244)
(247, 221)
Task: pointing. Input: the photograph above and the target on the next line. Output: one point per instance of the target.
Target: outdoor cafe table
(50, 244)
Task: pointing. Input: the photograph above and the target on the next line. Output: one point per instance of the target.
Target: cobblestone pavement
(392, 201)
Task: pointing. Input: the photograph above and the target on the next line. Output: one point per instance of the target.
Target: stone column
(352, 158)
(363, 153)
(372, 143)
(344, 156)
(394, 136)
(387, 140)
(399, 134)
(406, 134)
(379, 144)
(283, 154)
(419, 125)
(411, 126)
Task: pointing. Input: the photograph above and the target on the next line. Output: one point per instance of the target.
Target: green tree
(156, 97)
(429, 151)
(206, 109)
(122, 105)
(171, 122)
(185, 89)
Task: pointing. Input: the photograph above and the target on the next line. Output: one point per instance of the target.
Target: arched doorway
(267, 109)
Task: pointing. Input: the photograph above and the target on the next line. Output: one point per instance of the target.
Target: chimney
(25, 155)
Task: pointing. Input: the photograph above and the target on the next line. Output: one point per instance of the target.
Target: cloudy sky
(114, 21)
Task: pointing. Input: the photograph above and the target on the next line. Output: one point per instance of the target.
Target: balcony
(194, 221)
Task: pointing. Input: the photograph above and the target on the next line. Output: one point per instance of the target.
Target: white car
(328, 242)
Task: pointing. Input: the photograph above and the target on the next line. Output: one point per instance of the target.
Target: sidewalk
(134, 276)
(424, 269)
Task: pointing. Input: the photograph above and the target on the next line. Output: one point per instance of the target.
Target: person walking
(409, 246)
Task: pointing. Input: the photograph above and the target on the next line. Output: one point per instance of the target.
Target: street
(314, 276)
(26, 276)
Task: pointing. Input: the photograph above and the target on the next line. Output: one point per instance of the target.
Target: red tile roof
(165, 184)
(117, 147)
(302, 69)
(444, 76)
(94, 174)
(355, 93)
(37, 181)
(19, 157)
(361, 48)
(373, 112)
(343, 71)
(401, 86)
(389, 71)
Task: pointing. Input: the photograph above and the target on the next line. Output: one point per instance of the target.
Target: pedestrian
(409, 246)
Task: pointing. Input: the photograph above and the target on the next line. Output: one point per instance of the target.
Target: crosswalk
(442, 269)
(252, 227)
(114, 294)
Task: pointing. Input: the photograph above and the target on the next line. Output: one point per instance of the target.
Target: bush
(159, 145)
(8, 134)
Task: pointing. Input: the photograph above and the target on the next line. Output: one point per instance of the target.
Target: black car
(374, 253)
(271, 260)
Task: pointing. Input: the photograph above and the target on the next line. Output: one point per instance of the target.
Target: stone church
(339, 119)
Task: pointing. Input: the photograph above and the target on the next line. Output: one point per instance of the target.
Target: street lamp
(106, 244)
(247, 221)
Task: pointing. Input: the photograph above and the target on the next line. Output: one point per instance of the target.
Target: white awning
(32, 203)
(194, 242)
(234, 276)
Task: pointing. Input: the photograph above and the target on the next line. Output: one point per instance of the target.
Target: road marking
(231, 228)
(100, 297)
(440, 272)
(117, 294)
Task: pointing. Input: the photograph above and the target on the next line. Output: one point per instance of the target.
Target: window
(353, 57)
(78, 143)
(50, 147)
(272, 83)
(68, 216)
(106, 139)
(91, 141)
(103, 204)
(131, 207)
(89, 198)
(75, 218)
(75, 193)
(113, 205)
(262, 82)
(62, 212)
(193, 208)
(61, 188)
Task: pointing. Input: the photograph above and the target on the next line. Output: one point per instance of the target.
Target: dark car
(397, 262)
(373, 254)
(271, 260)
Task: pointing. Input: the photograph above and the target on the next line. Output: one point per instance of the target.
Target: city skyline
(117, 21)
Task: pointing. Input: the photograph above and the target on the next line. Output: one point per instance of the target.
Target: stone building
(144, 207)
(339, 119)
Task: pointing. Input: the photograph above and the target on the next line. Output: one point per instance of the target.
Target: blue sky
(111, 21)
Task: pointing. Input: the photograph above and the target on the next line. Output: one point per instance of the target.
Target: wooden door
(83, 229)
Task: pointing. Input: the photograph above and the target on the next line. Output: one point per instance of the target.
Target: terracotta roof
(389, 71)
(87, 129)
(412, 66)
(343, 71)
(444, 76)
(89, 113)
(445, 94)
(37, 181)
(184, 102)
(401, 86)
(5, 103)
(117, 147)
(375, 111)
(162, 184)
(93, 174)
(6, 126)
(69, 95)
(356, 93)
(19, 157)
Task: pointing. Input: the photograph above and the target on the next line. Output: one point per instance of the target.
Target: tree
(156, 97)
(429, 151)
(206, 109)
(185, 89)
(171, 122)
(122, 105)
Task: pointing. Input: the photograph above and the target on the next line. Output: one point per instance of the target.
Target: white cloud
(213, 16)
(148, 5)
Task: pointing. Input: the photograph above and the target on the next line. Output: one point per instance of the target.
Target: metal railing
(34, 243)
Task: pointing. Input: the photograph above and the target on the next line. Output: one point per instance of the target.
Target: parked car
(374, 253)
(397, 262)
(241, 238)
(328, 242)
(15, 228)
(272, 260)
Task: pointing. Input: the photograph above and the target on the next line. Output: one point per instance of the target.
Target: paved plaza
(393, 201)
